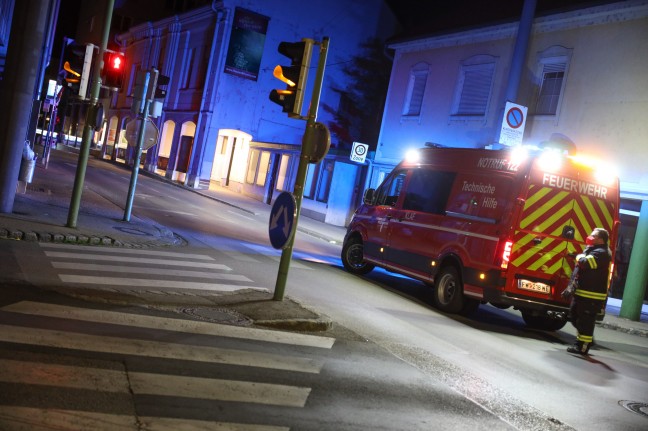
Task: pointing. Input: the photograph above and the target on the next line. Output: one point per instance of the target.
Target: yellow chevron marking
(557, 214)
(532, 199)
(545, 257)
(526, 255)
(606, 212)
(580, 215)
(555, 201)
(593, 213)
(554, 268)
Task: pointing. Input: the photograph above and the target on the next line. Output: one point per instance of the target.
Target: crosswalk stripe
(143, 282)
(167, 324)
(66, 376)
(117, 250)
(172, 424)
(18, 418)
(123, 269)
(140, 260)
(218, 389)
(116, 345)
(33, 373)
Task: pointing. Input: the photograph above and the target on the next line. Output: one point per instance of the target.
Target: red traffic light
(116, 62)
(113, 71)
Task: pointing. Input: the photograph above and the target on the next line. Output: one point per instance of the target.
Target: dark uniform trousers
(583, 312)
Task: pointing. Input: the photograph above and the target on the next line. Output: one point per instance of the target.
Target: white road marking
(167, 324)
(156, 349)
(17, 418)
(122, 269)
(141, 260)
(101, 380)
(117, 250)
(143, 282)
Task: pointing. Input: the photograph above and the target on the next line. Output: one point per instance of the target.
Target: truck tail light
(506, 254)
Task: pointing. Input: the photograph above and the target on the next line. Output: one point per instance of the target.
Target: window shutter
(476, 88)
(417, 90)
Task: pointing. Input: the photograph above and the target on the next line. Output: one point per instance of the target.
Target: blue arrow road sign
(282, 218)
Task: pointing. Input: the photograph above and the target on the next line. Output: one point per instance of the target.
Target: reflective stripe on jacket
(593, 272)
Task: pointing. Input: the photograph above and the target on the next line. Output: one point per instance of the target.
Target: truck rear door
(562, 206)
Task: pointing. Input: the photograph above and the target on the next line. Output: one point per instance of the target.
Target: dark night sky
(432, 16)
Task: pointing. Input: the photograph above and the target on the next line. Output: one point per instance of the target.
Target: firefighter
(589, 292)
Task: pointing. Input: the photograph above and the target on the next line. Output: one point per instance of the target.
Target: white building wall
(604, 105)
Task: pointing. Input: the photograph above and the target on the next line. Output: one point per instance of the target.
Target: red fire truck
(485, 226)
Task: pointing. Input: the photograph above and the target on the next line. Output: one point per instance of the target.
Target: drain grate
(635, 407)
(217, 315)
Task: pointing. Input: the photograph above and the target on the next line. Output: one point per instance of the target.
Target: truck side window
(390, 190)
(428, 191)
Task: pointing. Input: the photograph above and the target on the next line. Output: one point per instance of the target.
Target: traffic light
(295, 76)
(77, 66)
(113, 69)
(162, 81)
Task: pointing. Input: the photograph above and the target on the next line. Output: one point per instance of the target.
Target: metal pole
(17, 91)
(302, 169)
(635, 285)
(138, 152)
(84, 152)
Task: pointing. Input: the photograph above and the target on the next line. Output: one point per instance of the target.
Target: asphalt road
(397, 363)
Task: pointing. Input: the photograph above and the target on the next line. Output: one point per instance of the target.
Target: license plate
(534, 286)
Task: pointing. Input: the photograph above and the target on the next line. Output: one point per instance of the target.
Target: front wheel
(353, 257)
(543, 320)
(448, 291)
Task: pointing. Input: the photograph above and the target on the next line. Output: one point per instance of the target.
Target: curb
(81, 239)
(631, 331)
(301, 325)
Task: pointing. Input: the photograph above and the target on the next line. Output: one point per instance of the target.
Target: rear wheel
(543, 320)
(353, 257)
(448, 291)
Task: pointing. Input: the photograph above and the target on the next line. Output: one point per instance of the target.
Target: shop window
(318, 181)
(252, 166)
(264, 163)
(283, 172)
(325, 177)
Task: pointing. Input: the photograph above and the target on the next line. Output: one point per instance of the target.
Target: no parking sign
(359, 152)
(513, 124)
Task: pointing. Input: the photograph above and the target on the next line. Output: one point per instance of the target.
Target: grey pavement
(40, 214)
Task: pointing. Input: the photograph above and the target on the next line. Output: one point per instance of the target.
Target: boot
(579, 348)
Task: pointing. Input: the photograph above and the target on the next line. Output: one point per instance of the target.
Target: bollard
(27, 167)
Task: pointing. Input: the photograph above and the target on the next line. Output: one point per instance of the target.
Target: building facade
(218, 125)
(584, 81)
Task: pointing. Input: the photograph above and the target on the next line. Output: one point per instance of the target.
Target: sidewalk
(41, 215)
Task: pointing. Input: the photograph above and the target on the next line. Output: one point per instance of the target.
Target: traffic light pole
(304, 159)
(138, 150)
(84, 152)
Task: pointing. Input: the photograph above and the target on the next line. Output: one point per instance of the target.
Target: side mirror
(369, 196)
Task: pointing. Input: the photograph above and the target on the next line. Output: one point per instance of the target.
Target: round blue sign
(282, 220)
